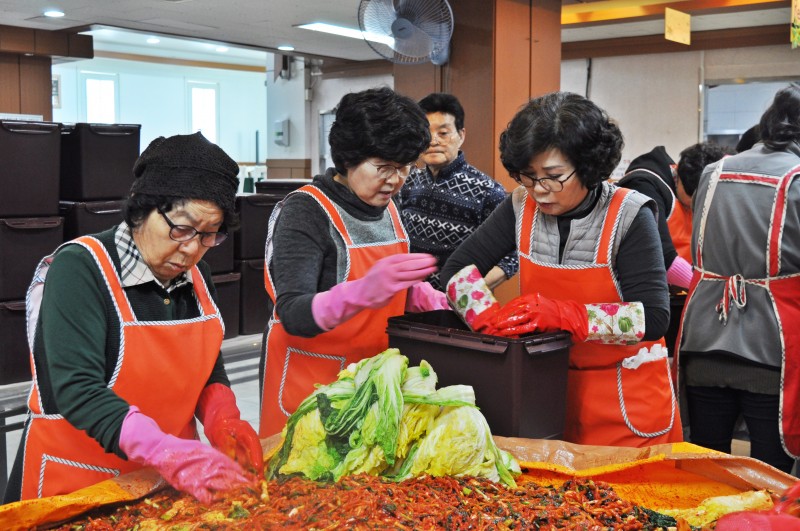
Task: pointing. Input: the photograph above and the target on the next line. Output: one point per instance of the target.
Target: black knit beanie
(187, 166)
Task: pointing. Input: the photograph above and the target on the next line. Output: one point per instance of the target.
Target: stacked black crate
(254, 211)
(30, 229)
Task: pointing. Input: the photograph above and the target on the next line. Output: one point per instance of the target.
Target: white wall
(155, 96)
(656, 98)
(287, 101)
(326, 95)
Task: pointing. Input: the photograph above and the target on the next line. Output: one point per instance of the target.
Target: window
(100, 97)
(203, 114)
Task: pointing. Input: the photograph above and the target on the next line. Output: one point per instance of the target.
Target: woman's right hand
(188, 465)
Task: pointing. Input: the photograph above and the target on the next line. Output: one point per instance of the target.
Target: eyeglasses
(184, 233)
(551, 184)
(387, 171)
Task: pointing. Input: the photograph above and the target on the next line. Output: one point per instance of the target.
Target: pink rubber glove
(423, 297)
(680, 273)
(762, 521)
(188, 465)
(386, 277)
(225, 429)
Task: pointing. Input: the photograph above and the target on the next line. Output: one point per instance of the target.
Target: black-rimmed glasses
(184, 233)
(551, 184)
(387, 171)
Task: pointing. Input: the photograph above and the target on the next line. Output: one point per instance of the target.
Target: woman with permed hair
(590, 264)
(337, 256)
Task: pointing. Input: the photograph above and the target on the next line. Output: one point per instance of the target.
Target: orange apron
(679, 223)
(606, 403)
(294, 364)
(162, 368)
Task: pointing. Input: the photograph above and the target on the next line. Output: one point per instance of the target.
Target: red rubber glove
(186, 464)
(537, 313)
(225, 429)
(762, 521)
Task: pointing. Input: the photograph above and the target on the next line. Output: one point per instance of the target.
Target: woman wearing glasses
(590, 263)
(126, 341)
(337, 256)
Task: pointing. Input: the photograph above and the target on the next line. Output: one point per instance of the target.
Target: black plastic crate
(254, 211)
(29, 168)
(220, 258)
(520, 384)
(280, 186)
(23, 243)
(97, 160)
(15, 365)
(81, 218)
(228, 301)
(254, 303)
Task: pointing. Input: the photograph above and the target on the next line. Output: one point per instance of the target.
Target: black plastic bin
(97, 160)
(15, 363)
(29, 168)
(91, 217)
(520, 384)
(279, 186)
(254, 211)
(220, 258)
(228, 301)
(23, 243)
(254, 303)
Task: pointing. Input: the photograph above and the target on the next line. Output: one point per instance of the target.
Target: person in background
(740, 339)
(337, 255)
(748, 139)
(444, 202)
(590, 263)
(657, 176)
(126, 350)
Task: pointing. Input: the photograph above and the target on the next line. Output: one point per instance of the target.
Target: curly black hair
(377, 123)
(444, 103)
(780, 124)
(574, 125)
(692, 161)
(139, 206)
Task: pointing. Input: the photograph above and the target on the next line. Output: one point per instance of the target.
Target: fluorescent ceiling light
(347, 32)
(286, 48)
(54, 13)
(153, 40)
(222, 49)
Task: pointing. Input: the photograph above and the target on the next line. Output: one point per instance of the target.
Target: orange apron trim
(294, 364)
(606, 404)
(160, 363)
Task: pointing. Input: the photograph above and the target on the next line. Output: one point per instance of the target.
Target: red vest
(606, 403)
(162, 368)
(294, 364)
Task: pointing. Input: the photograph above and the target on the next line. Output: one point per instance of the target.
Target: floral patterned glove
(616, 323)
(471, 299)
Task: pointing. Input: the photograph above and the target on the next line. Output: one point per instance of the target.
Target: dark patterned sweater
(441, 212)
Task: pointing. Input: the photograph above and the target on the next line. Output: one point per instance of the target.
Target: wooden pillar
(503, 52)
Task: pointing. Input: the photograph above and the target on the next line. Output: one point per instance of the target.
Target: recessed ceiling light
(153, 40)
(286, 48)
(222, 49)
(55, 13)
(347, 32)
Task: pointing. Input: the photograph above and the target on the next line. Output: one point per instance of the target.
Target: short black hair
(444, 103)
(780, 124)
(138, 206)
(379, 123)
(574, 125)
(694, 159)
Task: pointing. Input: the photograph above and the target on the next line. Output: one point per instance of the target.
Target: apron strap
(610, 224)
(778, 218)
(110, 275)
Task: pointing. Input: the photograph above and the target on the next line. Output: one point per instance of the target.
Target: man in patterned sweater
(443, 203)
